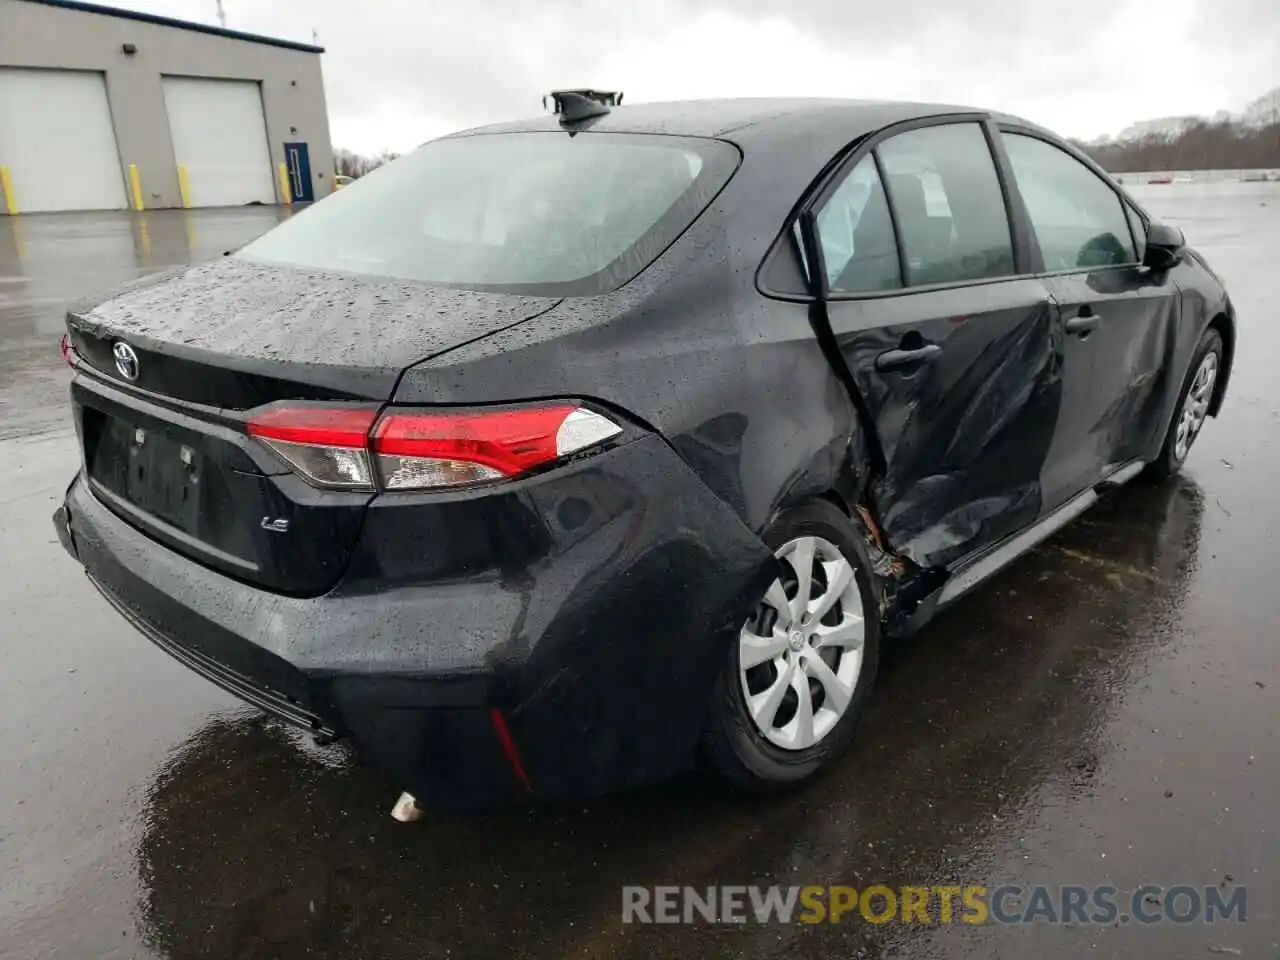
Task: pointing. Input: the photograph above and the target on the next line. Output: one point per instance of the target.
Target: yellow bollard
(19, 240)
(286, 195)
(6, 188)
(193, 240)
(184, 187)
(135, 186)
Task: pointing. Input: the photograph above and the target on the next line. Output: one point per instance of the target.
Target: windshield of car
(540, 213)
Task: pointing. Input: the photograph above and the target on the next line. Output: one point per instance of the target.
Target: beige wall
(34, 35)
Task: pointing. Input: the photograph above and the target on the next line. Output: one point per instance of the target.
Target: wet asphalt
(1105, 711)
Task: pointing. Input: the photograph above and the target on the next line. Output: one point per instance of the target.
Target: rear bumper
(598, 649)
(246, 688)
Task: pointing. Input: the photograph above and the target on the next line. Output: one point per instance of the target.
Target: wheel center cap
(797, 640)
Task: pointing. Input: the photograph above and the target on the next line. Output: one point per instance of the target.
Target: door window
(856, 235)
(950, 210)
(1078, 219)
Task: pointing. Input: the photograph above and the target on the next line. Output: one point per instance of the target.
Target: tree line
(1202, 145)
(348, 163)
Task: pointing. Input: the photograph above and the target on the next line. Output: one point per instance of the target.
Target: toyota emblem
(126, 360)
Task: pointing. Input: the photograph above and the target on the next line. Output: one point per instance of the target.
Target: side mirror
(1166, 246)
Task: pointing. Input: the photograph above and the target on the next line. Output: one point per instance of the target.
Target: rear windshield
(537, 213)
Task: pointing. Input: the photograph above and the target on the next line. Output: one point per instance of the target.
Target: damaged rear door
(955, 358)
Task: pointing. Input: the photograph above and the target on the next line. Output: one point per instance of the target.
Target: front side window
(858, 247)
(1078, 219)
(537, 213)
(950, 210)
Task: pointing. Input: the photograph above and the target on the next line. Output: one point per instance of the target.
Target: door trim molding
(1122, 476)
(967, 574)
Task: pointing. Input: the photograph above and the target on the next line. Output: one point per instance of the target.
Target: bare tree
(1205, 145)
(348, 163)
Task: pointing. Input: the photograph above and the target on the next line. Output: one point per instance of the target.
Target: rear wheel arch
(846, 494)
(840, 482)
(844, 485)
(838, 499)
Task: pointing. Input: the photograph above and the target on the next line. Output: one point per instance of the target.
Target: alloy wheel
(1195, 405)
(800, 654)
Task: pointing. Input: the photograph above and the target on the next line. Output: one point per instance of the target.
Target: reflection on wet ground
(1104, 711)
(48, 262)
(972, 719)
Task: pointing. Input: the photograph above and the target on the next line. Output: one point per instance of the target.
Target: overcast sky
(398, 72)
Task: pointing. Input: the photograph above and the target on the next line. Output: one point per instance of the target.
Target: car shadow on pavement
(253, 847)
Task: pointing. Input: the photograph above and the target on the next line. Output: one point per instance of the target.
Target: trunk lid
(235, 334)
(167, 450)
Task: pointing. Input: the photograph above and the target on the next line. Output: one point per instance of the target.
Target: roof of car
(746, 120)
(785, 146)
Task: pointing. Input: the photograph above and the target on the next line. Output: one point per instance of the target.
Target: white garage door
(57, 140)
(219, 135)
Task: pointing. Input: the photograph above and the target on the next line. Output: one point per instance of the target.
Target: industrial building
(107, 109)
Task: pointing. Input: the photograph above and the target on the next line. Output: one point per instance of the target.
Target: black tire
(1169, 463)
(733, 747)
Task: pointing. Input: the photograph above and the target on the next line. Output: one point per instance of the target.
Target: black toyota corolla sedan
(565, 454)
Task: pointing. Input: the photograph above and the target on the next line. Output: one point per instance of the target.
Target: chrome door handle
(896, 359)
(1081, 326)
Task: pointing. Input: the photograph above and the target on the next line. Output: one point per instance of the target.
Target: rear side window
(1078, 219)
(856, 234)
(950, 210)
(536, 213)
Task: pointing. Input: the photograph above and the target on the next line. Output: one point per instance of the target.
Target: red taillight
(65, 346)
(331, 445)
(323, 426)
(422, 449)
